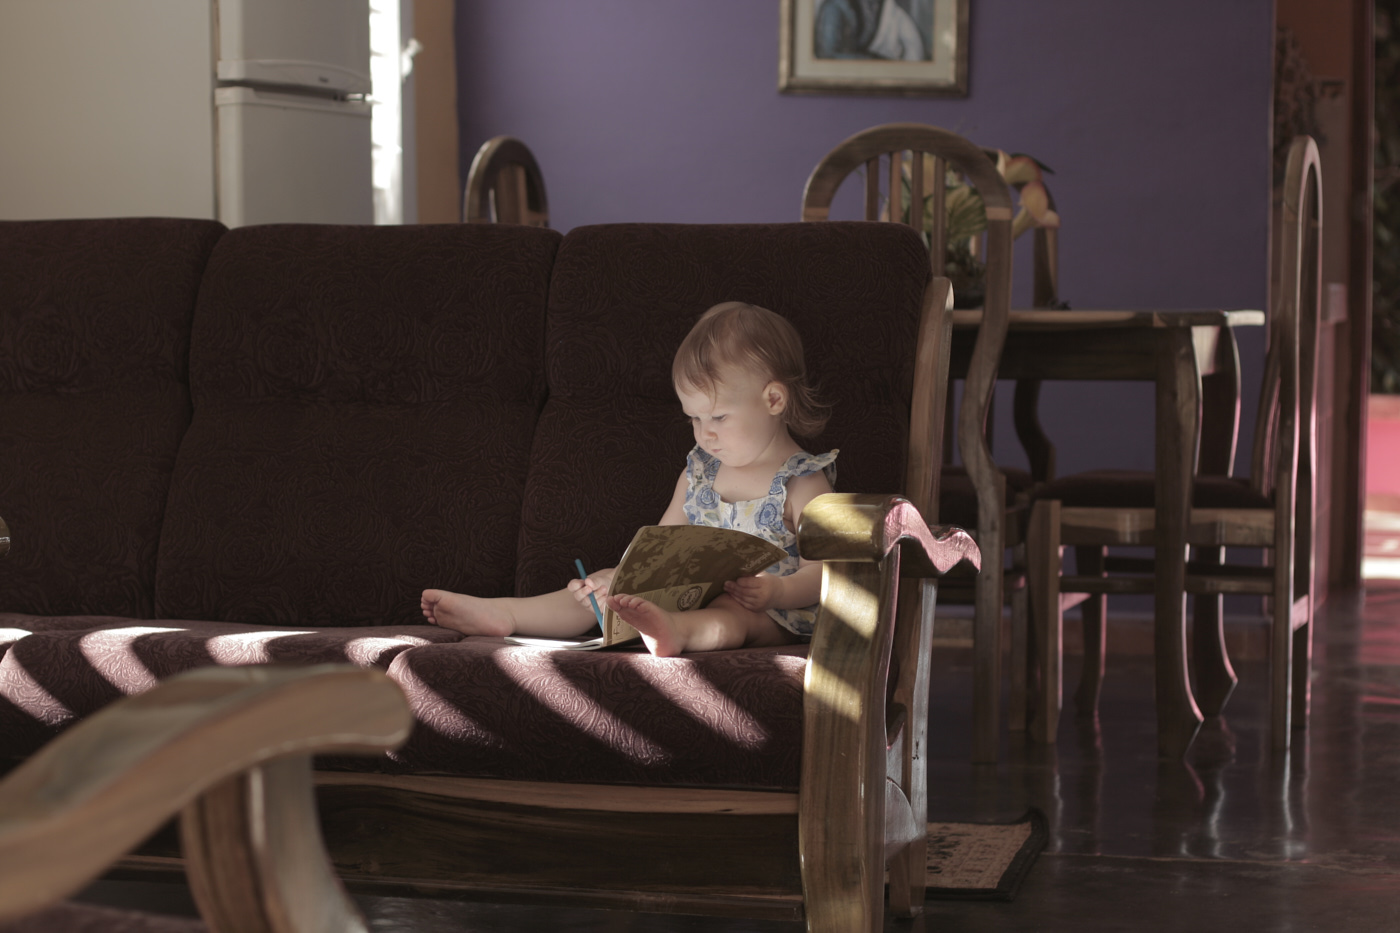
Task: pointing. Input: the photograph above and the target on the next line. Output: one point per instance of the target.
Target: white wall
(106, 109)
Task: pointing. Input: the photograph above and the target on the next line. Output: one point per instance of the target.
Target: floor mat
(985, 861)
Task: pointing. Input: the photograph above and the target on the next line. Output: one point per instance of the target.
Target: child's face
(740, 421)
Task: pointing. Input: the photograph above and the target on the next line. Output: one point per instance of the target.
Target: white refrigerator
(248, 111)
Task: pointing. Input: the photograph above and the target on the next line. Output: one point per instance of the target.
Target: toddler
(742, 381)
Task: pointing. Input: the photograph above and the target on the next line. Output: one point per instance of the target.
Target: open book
(678, 567)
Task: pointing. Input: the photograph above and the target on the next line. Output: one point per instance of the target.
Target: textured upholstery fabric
(491, 710)
(364, 404)
(51, 678)
(90, 918)
(1131, 489)
(15, 625)
(94, 331)
(612, 439)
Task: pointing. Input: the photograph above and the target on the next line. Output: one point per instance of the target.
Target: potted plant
(967, 217)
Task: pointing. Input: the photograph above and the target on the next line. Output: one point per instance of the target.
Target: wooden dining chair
(976, 497)
(1220, 394)
(229, 750)
(1040, 456)
(1271, 510)
(504, 185)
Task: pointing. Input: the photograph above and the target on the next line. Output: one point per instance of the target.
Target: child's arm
(675, 512)
(799, 589)
(596, 584)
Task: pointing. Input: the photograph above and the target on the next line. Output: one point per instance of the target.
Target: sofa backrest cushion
(94, 334)
(364, 404)
(612, 438)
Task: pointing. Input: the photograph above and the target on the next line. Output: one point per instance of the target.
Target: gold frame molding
(919, 79)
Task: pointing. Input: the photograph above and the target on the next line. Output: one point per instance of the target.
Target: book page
(567, 644)
(682, 567)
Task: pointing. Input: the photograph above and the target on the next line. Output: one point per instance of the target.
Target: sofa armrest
(858, 807)
(861, 527)
(4, 538)
(231, 747)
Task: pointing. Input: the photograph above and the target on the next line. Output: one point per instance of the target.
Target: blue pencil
(583, 575)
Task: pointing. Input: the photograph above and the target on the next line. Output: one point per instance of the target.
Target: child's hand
(755, 593)
(596, 584)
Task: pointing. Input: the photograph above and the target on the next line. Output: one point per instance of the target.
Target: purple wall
(1155, 118)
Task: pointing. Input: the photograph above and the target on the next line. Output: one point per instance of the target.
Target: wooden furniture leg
(1281, 651)
(1021, 660)
(1220, 425)
(841, 814)
(255, 858)
(1088, 562)
(986, 625)
(1291, 627)
(905, 751)
(1026, 417)
(1178, 422)
(1302, 670)
(1210, 659)
(1043, 572)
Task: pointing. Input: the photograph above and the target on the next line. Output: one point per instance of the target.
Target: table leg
(1220, 427)
(1088, 562)
(1178, 422)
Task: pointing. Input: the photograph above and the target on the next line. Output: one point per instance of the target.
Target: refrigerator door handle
(288, 72)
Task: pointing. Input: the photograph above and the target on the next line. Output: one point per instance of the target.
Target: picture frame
(903, 48)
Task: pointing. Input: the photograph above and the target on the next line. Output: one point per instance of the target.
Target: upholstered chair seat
(957, 499)
(1131, 489)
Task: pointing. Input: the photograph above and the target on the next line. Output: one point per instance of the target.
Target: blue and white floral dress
(762, 517)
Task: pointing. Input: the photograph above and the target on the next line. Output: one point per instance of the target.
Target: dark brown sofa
(234, 447)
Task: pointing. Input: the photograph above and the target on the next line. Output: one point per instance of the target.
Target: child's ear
(775, 395)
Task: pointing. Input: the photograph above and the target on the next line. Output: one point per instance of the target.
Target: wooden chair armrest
(862, 797)
(862, 527)
(96, 791)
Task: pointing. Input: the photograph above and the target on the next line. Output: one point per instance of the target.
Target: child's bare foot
(470, 615)
(661, 631)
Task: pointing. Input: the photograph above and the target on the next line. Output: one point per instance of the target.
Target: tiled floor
(1233, 839)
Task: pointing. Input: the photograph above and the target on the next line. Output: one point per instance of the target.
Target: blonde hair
(735, 333)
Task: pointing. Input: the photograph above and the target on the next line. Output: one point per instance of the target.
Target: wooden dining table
(1175, 350)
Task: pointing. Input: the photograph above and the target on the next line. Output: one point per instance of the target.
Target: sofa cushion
(17, 625)
(94, 332)
(66, 669)
(612, 438)
(487, 709)
(364, 404)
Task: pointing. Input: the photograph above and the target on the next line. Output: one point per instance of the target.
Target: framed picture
(909, 48)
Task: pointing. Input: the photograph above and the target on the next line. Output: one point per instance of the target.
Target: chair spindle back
(948, 150)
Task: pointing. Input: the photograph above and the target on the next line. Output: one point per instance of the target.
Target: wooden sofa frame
(818, 853)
